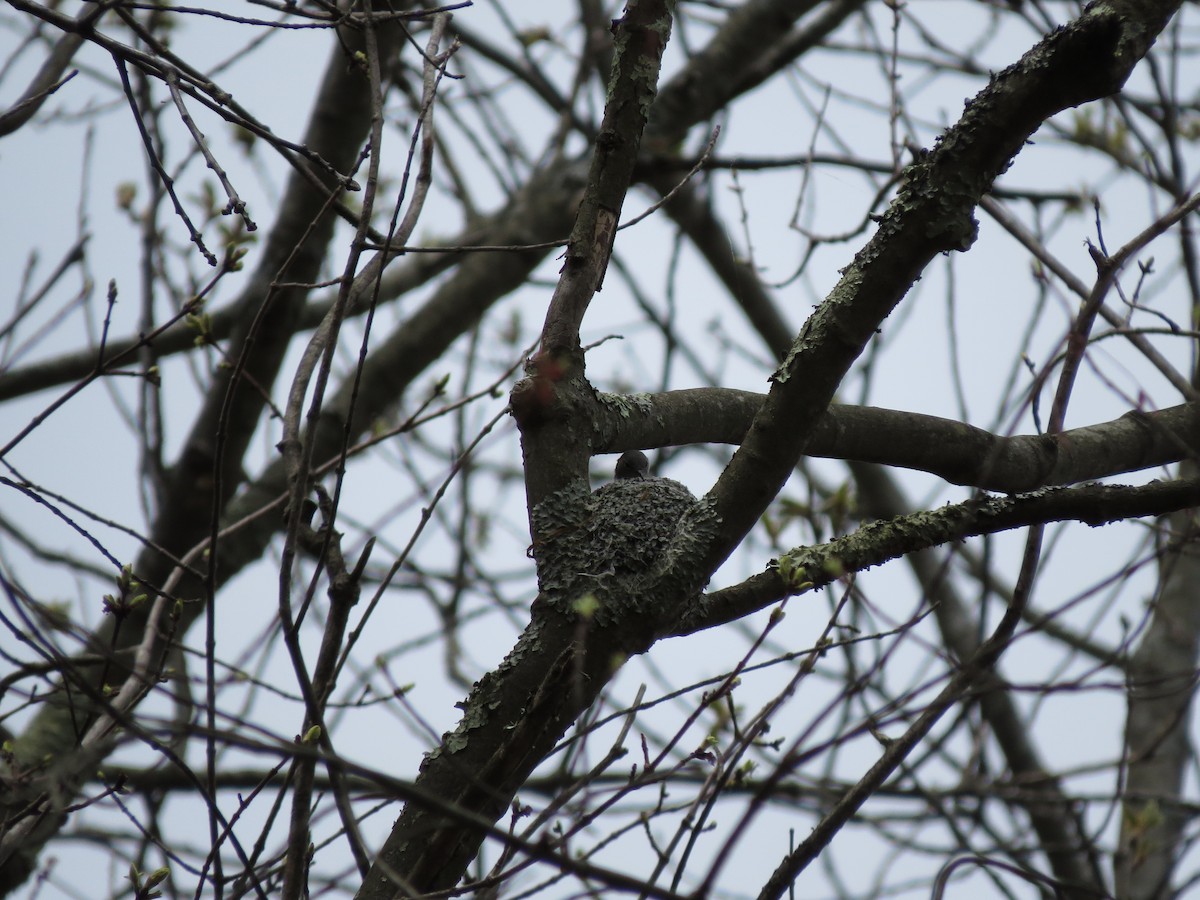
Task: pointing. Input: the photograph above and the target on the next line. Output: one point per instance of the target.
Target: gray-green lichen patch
(557, 521)
(693, 537)
(486, 695)
(626, 405)
(619, 409)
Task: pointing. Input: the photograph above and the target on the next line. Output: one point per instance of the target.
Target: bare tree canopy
(686, 449)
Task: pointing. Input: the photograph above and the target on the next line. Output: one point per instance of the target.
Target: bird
(632, 464)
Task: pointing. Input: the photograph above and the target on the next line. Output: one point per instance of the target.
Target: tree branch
(954, 451)
(806, 568)
(1089, 58)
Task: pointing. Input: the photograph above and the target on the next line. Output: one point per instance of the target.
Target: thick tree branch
(514, 716)
(1162, 686)
(1088, 59)
(954, 451)
(550, 402)
(49, 77)
(807, 568)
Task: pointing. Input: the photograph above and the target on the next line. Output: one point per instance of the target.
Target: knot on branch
(535, 398)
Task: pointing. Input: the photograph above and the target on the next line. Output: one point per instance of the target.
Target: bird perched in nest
(632, 464)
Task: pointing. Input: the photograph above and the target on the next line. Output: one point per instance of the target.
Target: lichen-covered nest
(607, 543)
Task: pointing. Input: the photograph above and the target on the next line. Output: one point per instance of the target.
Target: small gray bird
(632, 464)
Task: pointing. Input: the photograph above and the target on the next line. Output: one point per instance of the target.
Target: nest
(608, 543)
